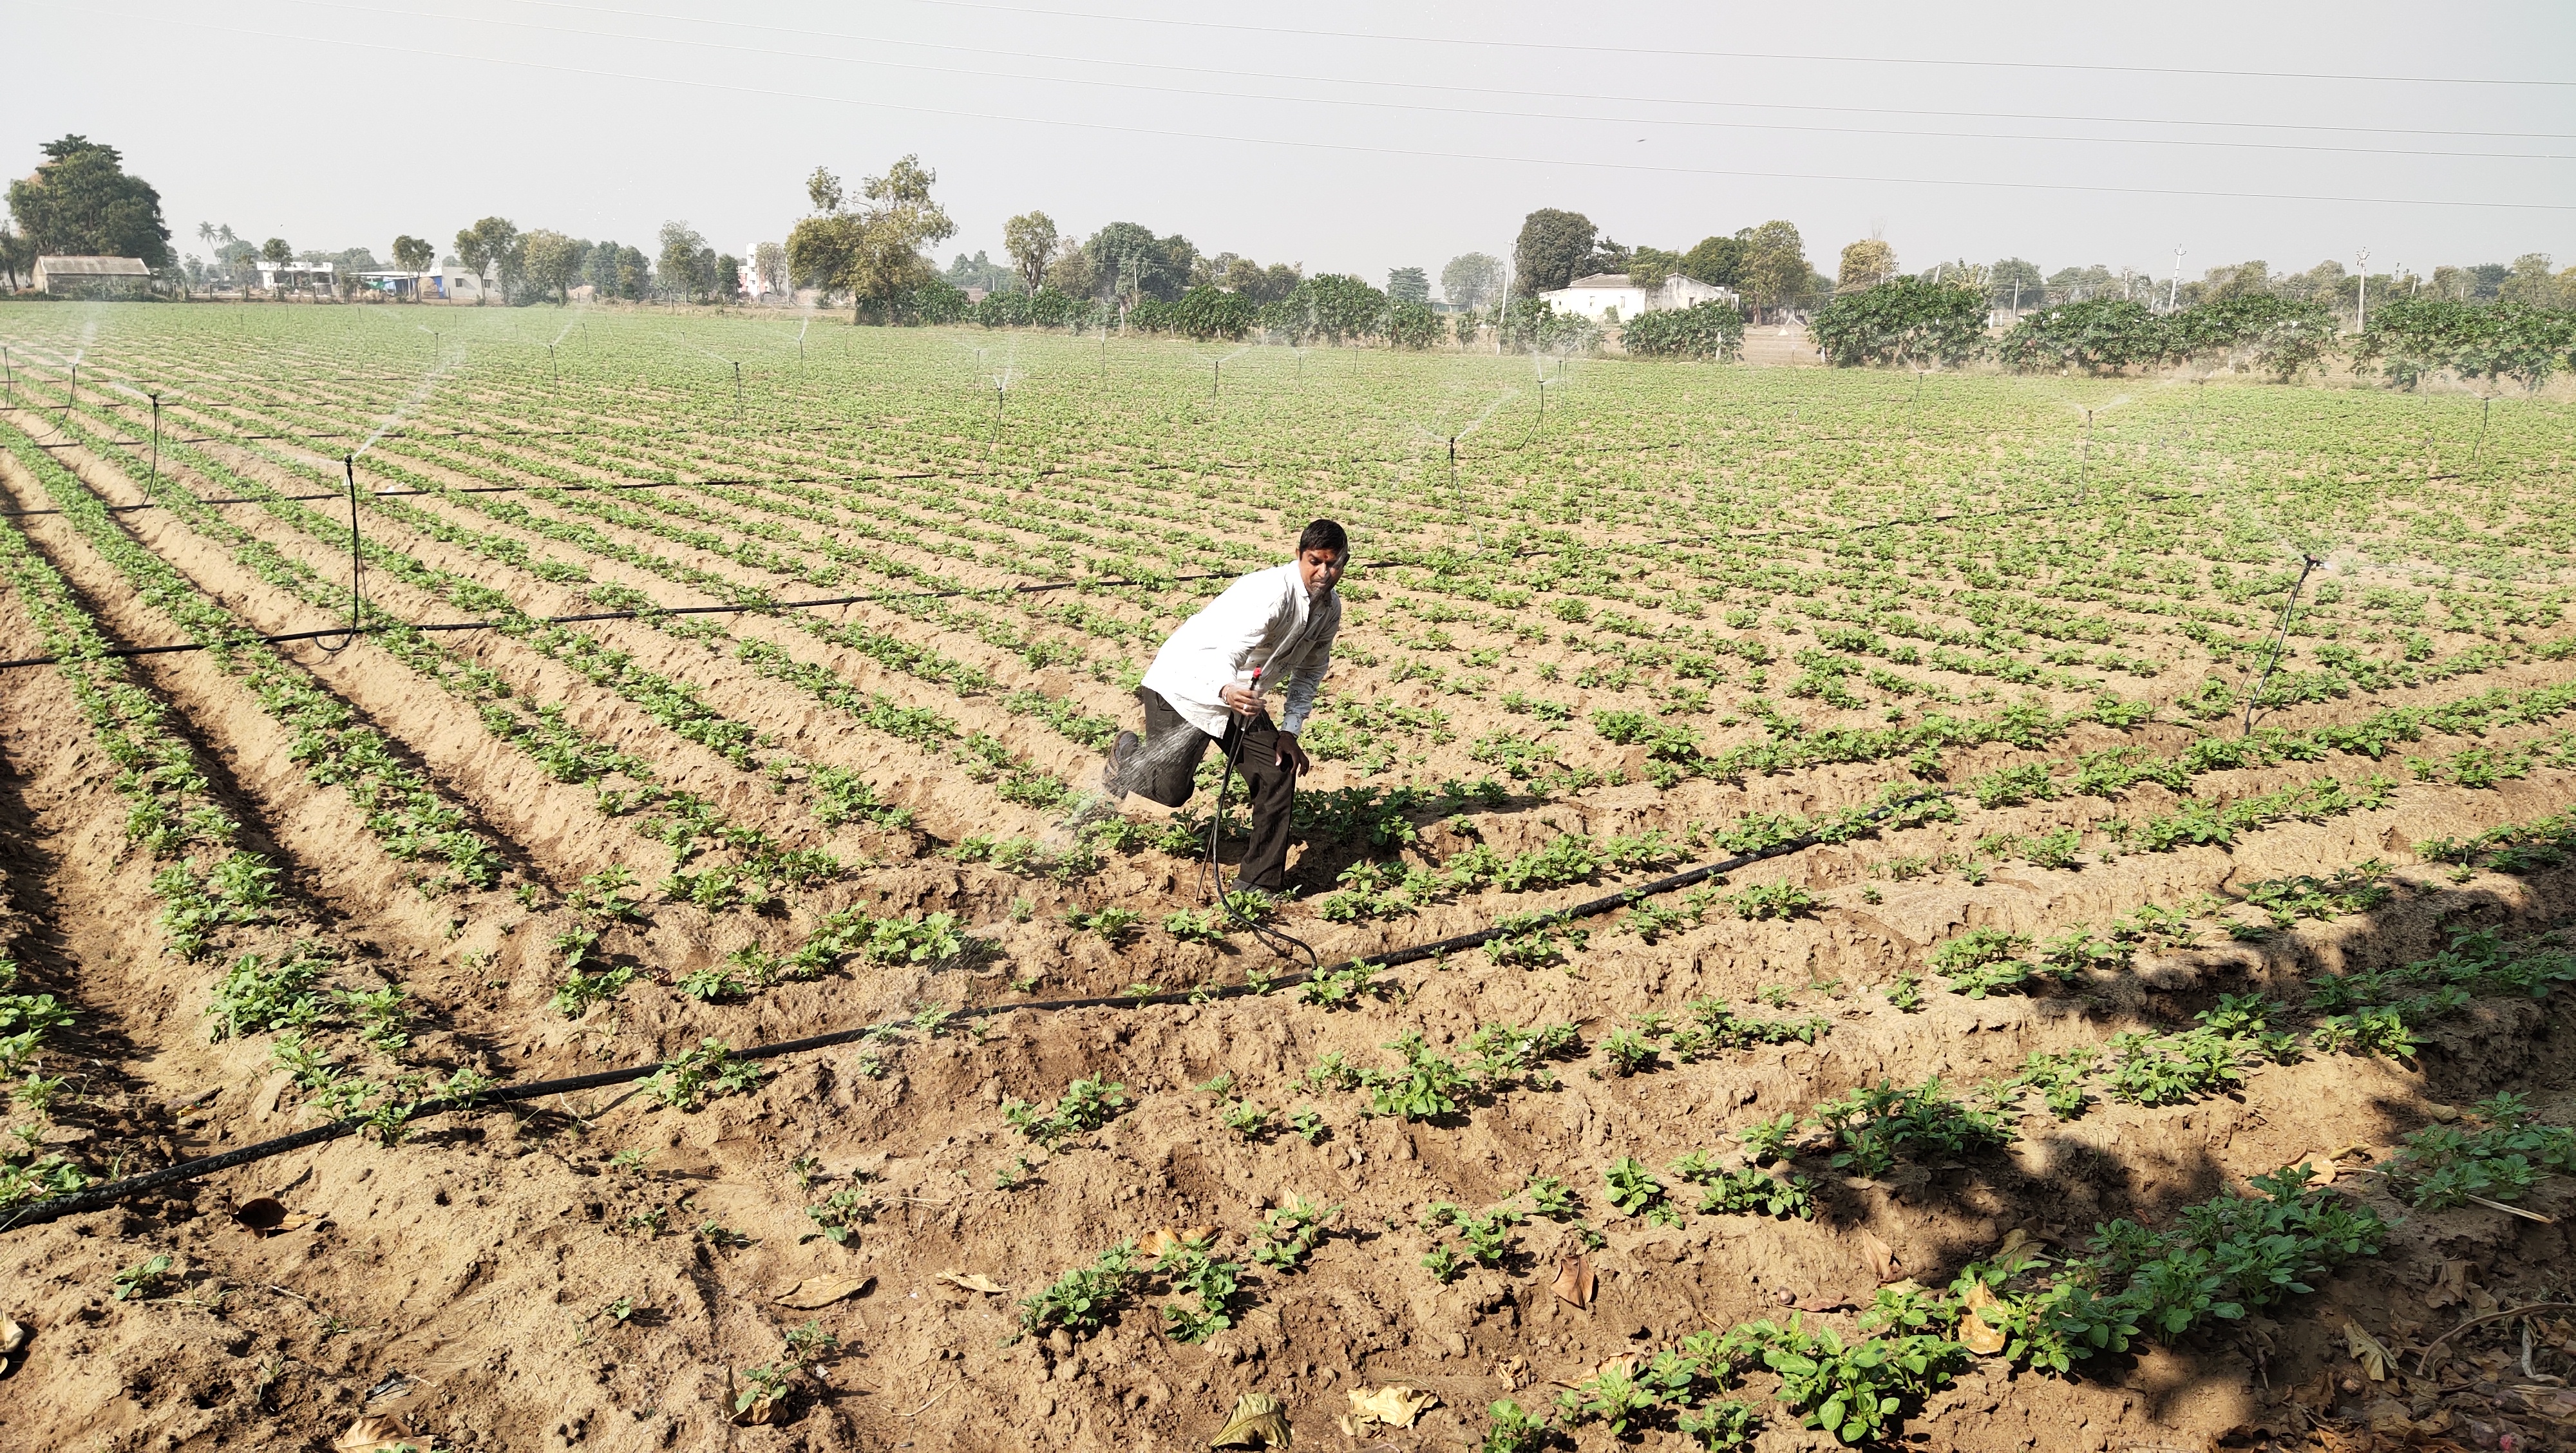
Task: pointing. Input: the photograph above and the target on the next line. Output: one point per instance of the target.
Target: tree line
(1921, 322)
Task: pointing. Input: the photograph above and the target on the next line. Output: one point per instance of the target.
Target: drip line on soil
(601, 615)
(516, 488)
(758, 608)
(99, 1198)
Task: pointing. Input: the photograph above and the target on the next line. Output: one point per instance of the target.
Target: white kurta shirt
(1265, 620)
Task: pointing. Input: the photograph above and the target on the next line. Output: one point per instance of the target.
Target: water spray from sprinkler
(2084, 460)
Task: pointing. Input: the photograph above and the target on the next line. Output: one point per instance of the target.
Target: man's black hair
(1325, 535)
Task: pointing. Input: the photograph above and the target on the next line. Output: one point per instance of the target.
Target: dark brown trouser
(1254, 745)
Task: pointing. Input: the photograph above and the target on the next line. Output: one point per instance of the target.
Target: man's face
(1320, 569)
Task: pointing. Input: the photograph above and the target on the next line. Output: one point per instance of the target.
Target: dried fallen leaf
(1394, 1406)
(2019, 1249)
(1258, 1422)
(1165, 1239)
(744, 1410)
(2368, 1351)
(1880, 1256)
(822, 1291)
(973, 1281)
(1574, 1281)
(374, 1435)
(1824, 1302)
(2450, 1285)
(267, 1217)
(13, 1336)
(1625, 1365)
(1976, 1333)
(1511, 1372)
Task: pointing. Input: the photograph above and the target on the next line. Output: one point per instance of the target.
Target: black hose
(1232, 752)
(99, 1198)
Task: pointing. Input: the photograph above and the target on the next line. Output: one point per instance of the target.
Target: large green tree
(1408, 284)
(81, 201)
(2015, 282)
(1135, 265)
(872, 251)
(1030, 239)
(1716, 261)
(1471, 280)
(494, 249)
(1865, 264)
(1551, 246)
(413, 254)
(553, 262)
(687, 265)
(1651, 267)
(1775, 265)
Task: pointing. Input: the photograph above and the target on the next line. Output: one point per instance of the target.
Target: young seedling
(1085, 1105)
(1290, 1234)
(841, 1214)
(1246, 1119)
(1636, 1192)
(693, 1076)
(141, 1279)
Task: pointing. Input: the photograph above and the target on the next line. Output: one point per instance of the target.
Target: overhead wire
(736, 22)
(1558, 47)
(416, 51)
(1481, 113)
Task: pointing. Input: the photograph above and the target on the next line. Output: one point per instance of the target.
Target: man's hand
(1242, 700)
(1291, 755)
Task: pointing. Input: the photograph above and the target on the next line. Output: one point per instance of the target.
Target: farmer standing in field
(1272, 630)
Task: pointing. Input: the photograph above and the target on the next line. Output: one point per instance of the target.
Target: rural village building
(456, 283)
(295, 277)
(1606, 297)
(65, 274)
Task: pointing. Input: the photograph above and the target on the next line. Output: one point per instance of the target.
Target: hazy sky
(1348, 137)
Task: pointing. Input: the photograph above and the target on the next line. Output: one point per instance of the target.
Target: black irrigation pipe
(607, 615)
(493, 489)
(99, 1198)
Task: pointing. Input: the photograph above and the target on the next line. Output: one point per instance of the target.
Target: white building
(1607, 297)
(456, 283)
(296, 277)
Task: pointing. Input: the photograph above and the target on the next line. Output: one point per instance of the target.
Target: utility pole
(2176, 290)
(2361, 306)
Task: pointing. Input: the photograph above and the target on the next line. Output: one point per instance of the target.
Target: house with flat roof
(1607, 297)
(296, 277)
(69, 274)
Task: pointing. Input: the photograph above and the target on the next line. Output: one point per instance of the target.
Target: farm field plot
(2129, 1010)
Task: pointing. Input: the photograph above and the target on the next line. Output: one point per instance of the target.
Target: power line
(1558, 48)
(1342, 148)
(1291, 77)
